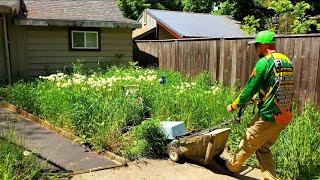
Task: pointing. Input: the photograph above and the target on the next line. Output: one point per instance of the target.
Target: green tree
(291, 18)
(301, 23)
(283, 15)
(250, 25)
(133, 8)
(198, 6)
(225, 8)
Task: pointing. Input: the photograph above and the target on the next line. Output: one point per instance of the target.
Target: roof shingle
(75, 10)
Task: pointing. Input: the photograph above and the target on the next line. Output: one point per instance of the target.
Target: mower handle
(237, 120)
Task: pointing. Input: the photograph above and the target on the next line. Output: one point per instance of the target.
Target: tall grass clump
(147, 139)
(297, 151)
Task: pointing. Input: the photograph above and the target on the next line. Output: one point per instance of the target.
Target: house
(162, 24)
(37, 37)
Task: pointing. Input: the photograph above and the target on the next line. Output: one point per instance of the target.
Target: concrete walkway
(57, 150)
(155, 169)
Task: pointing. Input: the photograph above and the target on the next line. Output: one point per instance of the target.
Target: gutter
(78, 23)
(5, 32)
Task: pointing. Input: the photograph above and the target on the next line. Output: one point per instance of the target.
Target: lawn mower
(203, 146)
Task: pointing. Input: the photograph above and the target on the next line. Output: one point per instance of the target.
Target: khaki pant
(260, 136)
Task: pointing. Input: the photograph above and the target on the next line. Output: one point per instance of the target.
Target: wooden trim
(177, 36)
(70, 29)
(7, 55)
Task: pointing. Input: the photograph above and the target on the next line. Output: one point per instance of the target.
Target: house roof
(197, 24)
(8, 6)
(78, 12)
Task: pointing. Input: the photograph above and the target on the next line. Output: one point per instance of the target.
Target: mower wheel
(174, 154)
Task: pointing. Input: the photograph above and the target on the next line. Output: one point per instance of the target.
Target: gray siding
(46, 49)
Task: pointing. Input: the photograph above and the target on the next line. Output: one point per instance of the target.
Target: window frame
(84, 30)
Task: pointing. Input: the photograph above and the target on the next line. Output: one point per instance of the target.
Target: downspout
(5, 31)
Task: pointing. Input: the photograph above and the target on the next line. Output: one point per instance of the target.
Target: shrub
(147, 139)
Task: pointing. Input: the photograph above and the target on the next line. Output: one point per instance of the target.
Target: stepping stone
(56, 149)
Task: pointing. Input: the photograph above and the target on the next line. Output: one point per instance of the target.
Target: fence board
(314, 58)
(231, 61)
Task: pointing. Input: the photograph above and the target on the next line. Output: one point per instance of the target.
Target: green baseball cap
(264, 37)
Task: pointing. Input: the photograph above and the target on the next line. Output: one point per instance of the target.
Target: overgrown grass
(98, 110)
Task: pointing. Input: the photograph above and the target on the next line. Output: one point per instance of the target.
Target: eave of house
(8, 7)
(78, 23)
(173, 33)
(170, 30)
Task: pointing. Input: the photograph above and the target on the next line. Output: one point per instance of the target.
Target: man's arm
(252, 86)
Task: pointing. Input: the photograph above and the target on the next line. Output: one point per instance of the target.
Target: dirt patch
(147, 169)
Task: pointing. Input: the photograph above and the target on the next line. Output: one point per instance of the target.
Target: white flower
(76, 81)
(26, 153)
(214, 91)
(60, 74)
(64, 85)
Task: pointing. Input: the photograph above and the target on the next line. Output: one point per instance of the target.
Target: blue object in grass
(163, 80)
(173, 128)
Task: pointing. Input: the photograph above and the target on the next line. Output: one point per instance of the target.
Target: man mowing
(272, 83)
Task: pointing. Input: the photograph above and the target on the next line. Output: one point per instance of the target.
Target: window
(85, 40)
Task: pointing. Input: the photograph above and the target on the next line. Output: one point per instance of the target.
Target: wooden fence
(231, 60)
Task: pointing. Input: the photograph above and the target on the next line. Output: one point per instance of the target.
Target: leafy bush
(147, 139)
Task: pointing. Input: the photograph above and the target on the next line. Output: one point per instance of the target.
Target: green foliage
(133, 8)
(291, 18)
(225, 8)
(24, 95)
(297, 152)
(16, 163)
(281, 6)
(198, 6)
(250, 25)
(301, 23)
(281, 16)
(98, 110)
(3, 94)
(147, 139)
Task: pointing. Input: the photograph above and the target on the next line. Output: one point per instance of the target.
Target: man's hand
(229, 108)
